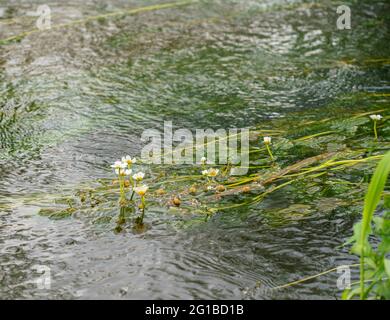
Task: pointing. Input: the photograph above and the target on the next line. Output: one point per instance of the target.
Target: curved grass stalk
(315, 135)
(337, 165)
(313, 277)
(261, 196)
(241, 181)
(97, 17)
(17, 20)
(364, 114)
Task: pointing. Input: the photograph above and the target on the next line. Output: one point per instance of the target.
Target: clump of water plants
(130, 186)
(374, 282)
(141, 191)
(322, 165)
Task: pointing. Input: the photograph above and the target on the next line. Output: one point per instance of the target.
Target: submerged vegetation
(329, 163)
(124, 169)
(77, 97)
(320, 165)
(374, 263)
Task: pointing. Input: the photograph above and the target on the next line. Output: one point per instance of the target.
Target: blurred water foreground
(78, 94)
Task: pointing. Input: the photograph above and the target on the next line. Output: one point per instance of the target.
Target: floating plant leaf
(296, 210)
(56, 214)
(102, 220)
(46, 212)
(62, 214)
(349, 126)
(327, 205)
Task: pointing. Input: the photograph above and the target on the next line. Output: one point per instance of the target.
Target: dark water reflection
(75, 98)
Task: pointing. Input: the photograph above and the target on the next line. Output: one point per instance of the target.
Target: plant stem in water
(121, 187)
(143, 209)
(134, 184)
(269, 152)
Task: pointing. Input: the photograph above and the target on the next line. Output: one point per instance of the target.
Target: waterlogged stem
(375, 131)
(269, 152)
(131, 181)
(134, 184)
(143, 209)
(121, 187)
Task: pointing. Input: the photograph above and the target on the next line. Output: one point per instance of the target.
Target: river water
(76, 97)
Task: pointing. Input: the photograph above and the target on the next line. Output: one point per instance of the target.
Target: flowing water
(78, 96)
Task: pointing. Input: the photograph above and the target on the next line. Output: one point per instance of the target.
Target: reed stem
(269, 152)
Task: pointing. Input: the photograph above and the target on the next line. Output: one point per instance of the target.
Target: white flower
(120, 172)
(138, 176)
(128, 172)
(118, 165)
(141, 190)
(203, 160)
(267, 140)
(211, 172)
(210, 188)
(128, 160)
(376, 117)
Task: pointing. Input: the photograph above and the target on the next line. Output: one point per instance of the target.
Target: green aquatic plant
(210, 174)
(123, 169)
(322, 170)
(56, 214)
(135, 180)
(267, 142)
(374, 262)
(375, 118)
(141, 191)
(328, 174)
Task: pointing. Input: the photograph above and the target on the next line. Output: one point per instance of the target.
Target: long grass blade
(372, 198)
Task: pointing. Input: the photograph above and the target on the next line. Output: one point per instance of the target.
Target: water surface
(77, 97)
